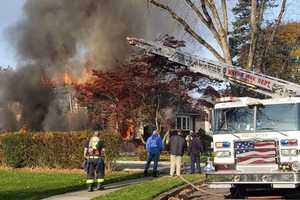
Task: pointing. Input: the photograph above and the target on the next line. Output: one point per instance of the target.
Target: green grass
(148, 189)
(16, 184)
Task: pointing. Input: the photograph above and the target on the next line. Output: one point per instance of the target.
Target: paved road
(139, 165)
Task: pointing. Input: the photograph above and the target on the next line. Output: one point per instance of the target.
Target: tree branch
(207, 23)
(223, 33)
(188, 29)
(215, 14)
(225, 16)
(204, 9)
(261, 13)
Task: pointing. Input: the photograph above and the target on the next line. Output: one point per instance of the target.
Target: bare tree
(209, 16)
(216, 21)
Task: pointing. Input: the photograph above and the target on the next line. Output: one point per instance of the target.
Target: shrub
(112, 144)
(16, 148)
(54, 150)
(206, 141)
(142, 153)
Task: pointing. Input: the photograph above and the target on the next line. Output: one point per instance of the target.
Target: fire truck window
(284, 117)
(235, 119)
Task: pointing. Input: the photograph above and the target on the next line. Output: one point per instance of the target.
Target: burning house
(59, 36)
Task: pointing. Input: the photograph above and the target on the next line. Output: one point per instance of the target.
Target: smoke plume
(55, 31)
(58, 35)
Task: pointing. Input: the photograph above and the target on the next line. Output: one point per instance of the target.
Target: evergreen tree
(241, 34)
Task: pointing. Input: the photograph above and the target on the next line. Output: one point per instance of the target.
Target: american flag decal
(255, 152)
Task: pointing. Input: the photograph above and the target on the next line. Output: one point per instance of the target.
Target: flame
(24, 129)
(85, 75)
(80, 78)
(70, 77)
(129, 131)
(67, 79)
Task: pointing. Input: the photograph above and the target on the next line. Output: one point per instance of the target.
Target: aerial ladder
(259, 83)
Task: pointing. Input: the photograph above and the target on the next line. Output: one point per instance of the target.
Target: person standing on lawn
(95, 167)
(154, 146)
(195, 149)
(177, 146)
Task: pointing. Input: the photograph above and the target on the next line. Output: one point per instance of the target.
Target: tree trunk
(157, 115)
(253, 34)
(226, 50)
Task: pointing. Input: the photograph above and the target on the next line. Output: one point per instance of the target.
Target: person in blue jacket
(154, 146)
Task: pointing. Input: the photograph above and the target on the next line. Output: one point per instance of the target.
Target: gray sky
(11, 12)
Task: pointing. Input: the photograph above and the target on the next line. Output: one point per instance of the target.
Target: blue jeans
(195, 160)
(152, 157)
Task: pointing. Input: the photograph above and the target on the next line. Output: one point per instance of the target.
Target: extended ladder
(260, 83)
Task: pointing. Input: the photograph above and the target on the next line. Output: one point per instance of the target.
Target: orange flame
(67, 79)
(128, 133)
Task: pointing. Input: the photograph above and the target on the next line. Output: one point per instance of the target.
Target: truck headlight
(289, 152)
(296, 166)
(222, 144)
(223, 154)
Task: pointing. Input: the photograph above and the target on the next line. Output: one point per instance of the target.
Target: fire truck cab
(256, 142)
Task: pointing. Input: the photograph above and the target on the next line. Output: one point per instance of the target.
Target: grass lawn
(25, 185)
(148, 189)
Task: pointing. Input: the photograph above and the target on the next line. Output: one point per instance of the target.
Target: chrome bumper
(276, 179)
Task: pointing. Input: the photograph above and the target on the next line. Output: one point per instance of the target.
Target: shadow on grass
(37, 193)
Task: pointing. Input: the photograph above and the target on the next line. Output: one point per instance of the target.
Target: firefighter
(93, 153)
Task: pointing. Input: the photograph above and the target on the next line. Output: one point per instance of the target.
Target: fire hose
(198, 188)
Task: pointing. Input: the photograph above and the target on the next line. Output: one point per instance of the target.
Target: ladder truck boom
(258, 82)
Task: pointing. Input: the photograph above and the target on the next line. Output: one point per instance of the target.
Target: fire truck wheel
(238, 191)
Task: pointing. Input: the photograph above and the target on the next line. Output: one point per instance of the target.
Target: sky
(11, 12)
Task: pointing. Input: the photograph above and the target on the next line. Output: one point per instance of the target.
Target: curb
(173, 192)
(140, 162)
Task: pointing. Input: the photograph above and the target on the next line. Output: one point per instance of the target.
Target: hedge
(49, 149)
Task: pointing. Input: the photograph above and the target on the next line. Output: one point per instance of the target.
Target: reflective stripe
(101, 180)
(89, 181)
(94, 157)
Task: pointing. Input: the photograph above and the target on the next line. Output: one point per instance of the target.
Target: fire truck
(256, 142)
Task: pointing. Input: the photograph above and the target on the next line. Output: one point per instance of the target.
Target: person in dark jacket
(177, 146)
(154, 146)
(195, 149)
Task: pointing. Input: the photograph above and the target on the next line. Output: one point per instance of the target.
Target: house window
(183, 122)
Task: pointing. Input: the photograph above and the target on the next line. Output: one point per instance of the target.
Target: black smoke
(55, 35)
